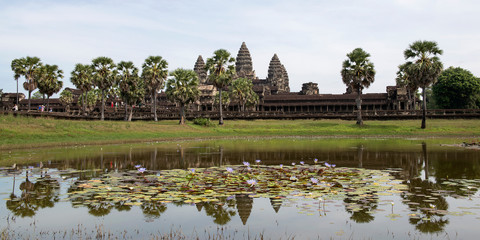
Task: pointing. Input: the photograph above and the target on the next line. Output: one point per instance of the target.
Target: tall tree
(27, 67)
(358, 73)
(221, 69)
(242, 90)
(104, 71)
(424, 67)
(48, 81)
(183, 89)
(132, 89)
(154, 73)
(457, 88)
(82, 78)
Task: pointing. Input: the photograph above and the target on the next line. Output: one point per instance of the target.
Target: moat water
(440, 201)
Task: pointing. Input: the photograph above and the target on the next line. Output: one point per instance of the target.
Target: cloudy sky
(311, 37)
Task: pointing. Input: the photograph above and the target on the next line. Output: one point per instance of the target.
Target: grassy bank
(20, 132)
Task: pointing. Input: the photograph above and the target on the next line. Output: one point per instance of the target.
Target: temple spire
(199, 68)
(243, 63)
(277, 75)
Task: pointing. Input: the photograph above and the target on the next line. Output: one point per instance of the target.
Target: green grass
(24, 132)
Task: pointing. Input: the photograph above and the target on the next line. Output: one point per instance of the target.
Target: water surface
(442, 199)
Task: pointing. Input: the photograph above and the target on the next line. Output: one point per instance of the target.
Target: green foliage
(66, 97)
(182, 89)
(423, 68)
(225, 100)
(37, 95)
(88, 100)
(82, 77)
(221, 68)
(103, 77)
(358, 73)
(203, 122)
(242, 91)
(27, 67)
(357, 70)
(221, 71)
(457, 88)
(154, 74)
(132, 88)
(48, 80)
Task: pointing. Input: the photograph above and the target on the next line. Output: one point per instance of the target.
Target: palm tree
(48, 81)
(132, 89)
(27, 67)
(104, 77)
(424, 67)
(183, 89)
(242, 91)
(403, 79)
(82, 78)
(154, 74)
(358, 73)
(221, 71)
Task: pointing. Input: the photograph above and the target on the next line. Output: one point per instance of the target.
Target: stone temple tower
(199, 68)
(277, 75)
(243, 64)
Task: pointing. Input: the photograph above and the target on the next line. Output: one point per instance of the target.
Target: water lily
(142, 169)
(302, 162)
(281, 166)
(192, 170)
(229, 170)
(315, 160)
(293, 164)
(246, 164)
(138, 166)
(252, 182)
(258, 161)
(330, 165)
(314, 180)
(293, 178)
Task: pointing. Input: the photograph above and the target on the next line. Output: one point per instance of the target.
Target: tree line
(103, 79)
(452, 88)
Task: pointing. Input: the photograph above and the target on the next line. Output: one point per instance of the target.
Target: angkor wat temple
(275, 99)
(274, 91)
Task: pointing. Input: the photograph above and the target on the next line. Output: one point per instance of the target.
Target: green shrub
(203, 122)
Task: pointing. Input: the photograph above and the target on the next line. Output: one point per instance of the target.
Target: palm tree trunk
(126, 112)
(220, 120)
(424, 108)
(84, 109)
(48, 103)
(17, 92)
(182, 114)
(359, 108)
(102, 108)
(131, 114)
(29, 94)
(155, 105)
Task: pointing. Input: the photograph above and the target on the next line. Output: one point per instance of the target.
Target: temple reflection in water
(421, 169)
